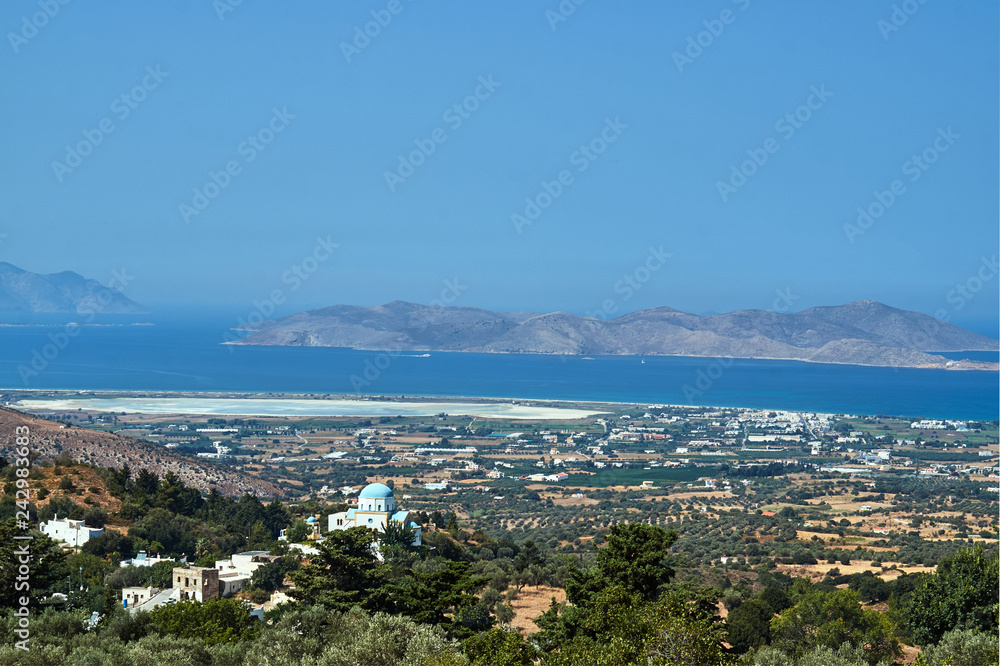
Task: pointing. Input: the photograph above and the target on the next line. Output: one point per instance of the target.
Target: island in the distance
(22, 291)
(860, 333)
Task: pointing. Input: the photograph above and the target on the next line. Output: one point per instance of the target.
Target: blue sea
(189, 355)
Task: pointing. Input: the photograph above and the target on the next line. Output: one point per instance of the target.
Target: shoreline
(315, 407)
(338, 405)
(965, 365)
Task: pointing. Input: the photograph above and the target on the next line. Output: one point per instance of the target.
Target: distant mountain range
(859, 333)
(23, 291)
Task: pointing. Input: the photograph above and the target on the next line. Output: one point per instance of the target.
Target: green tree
(271, 576)
(634, 558)
(174, 533)
(175, 497)
(528, 556)
(962, 647)
(499, 647)
(212, 621)
(627, 630)
(344, 573)
(110, 543)
(397, 534)
(961, 594)
(749, 625)
(832, 619)
(298, 532)
(28, 567)
(146, 484)
(439, 598)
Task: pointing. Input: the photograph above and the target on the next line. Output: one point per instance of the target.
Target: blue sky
(644, 140)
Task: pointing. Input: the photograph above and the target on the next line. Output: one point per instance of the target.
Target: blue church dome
(376, 491)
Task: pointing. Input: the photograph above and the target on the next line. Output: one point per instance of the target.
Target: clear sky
(623, 122)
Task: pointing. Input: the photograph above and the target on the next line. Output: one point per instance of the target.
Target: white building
(136, 596)
(73, 532)
(144, 560)
(376, 508)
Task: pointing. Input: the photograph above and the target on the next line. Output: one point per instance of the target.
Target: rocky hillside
(859, 333)
(22, 291)
(49, 439)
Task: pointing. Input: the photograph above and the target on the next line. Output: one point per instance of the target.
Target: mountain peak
(67, 291)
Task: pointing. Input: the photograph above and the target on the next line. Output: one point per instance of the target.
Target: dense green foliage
(214, 621)
(642, 588)
(962, 595)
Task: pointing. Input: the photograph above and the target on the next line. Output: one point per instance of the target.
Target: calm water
(189, 357)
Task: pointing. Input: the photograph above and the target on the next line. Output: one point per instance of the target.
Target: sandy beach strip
(296, 407)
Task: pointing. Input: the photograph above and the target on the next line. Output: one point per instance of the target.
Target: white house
(73, 532)
(237, 571)
(135, 596)
(376, 508)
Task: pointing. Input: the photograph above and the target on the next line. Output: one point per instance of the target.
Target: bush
(962, 647)
(748, 625)
(95, 516)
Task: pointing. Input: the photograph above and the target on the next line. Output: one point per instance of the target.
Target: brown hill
(50, 439)
(859, 333)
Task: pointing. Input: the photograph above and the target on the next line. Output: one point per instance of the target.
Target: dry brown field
(532, 602)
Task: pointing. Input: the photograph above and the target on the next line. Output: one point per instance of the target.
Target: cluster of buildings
(225, 579)
(376, 509)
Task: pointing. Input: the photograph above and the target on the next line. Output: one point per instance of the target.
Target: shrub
(961, 647)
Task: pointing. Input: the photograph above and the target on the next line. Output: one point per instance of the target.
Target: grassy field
(635, 477)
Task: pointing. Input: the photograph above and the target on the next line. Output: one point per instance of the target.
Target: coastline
(963, 365)
(214, 403)
(315, 407)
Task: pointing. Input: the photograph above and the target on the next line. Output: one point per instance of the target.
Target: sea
(186, 355)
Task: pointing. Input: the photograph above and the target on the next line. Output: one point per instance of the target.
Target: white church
(376, 508)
